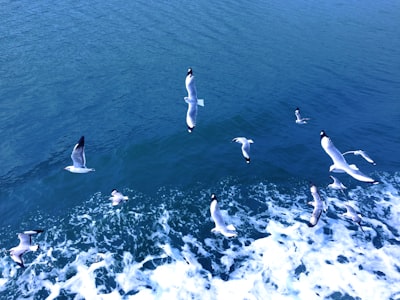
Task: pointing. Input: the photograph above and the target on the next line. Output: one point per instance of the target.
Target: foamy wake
(145, 250)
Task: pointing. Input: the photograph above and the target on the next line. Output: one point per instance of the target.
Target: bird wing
(298, 116)
(24, 240)
(216, 215)
(17, 257)
(338, 159)
(365, 156)
(318, 206)
(240, 140)
(357, 174)
(78, 154)
(191, 87)
(316, 214)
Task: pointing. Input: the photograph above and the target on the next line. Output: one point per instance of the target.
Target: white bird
(339, 162)
(318, 206)
(191, 100)
(79, 158)
(117, 197)
(245, 146)
(25, 245)
(220, 226)
(299, 119)
(336, 184)
(363, 154)
(352, 214)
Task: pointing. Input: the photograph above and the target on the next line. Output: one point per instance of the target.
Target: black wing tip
(81, 141)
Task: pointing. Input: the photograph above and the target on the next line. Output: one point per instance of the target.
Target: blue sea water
(114, 72)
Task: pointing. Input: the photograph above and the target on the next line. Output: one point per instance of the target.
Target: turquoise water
(114, 72)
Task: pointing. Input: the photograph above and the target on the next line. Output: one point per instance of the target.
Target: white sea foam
(146, 250)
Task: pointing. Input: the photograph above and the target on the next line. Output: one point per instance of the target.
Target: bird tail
(34, 248)
(200, 102)
(230, 227)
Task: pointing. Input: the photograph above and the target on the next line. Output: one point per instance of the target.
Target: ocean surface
(114, 72)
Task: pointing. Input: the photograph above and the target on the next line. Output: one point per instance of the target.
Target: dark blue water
(114, 72)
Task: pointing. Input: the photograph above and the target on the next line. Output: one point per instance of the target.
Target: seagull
(352, 214)
(227, 231)
(336, 184)
(245, 147)
(339, 162)
(318, 206)
(191, 100)
(363, 154)
(78, 158)
(117, 197)
(299, 119)
(25, 245)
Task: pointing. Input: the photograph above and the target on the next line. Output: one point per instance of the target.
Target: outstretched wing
(78, 154)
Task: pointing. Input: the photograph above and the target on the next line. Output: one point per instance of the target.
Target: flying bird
(78, 158)
(299, 119)
(191, 100)
(336, 184)
(245, 147)
(117, 197)
(339, 162)
(363, 154)
(318, 206)
(352, 214)
(220, 226)
(25, 245)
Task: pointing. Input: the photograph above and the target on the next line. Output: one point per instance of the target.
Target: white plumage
(220, 226)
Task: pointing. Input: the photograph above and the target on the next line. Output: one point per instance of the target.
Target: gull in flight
(245, 147)
(299, 119)
(25, 245)
(336, 184)
(352, 214)
(318, 206)
(363, 154)
(78, 158)
(220, 226)
(117, 197)
(191, 100)
(339, 162)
